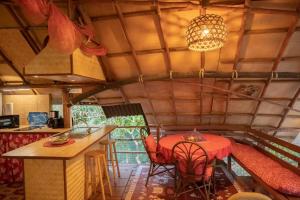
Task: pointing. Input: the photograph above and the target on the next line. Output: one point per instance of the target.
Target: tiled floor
(120, 186)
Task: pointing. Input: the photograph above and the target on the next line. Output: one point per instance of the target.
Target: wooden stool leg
(101, 178)
(93, 175)
(106, 152)
(116, 159)
(112, 160)
(87, 178)
(107, 176)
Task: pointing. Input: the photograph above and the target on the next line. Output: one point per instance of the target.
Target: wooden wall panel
(238, 120)
(157, 89)
(241, 106)
(266, 121)
(297, 106)
(23, 104)
(44, 179)
(256, 45)
(267, 108)
(87, 66)
(135, 26)
(152, 64)
(162, 106)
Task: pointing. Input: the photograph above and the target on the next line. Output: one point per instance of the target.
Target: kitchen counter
(57, 173)
(11, 170)
(37, 130)
(36, 150)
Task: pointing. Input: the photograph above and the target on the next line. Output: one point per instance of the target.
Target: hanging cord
(201, 73)
(235, 74)
(171, 74)
(141, 78)
(274, 75)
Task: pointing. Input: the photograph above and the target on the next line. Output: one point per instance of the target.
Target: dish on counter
(60, 139)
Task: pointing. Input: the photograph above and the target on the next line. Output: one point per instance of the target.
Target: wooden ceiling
(253, 80)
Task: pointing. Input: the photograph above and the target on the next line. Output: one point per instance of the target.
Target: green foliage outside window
(127, 138)
(283, 157)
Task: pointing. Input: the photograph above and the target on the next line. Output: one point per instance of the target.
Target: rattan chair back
(191, 159)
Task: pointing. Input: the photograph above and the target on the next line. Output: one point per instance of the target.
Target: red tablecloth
(216, 146)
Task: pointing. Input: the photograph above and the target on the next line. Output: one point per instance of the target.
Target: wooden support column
(66, 109)
(229, 162)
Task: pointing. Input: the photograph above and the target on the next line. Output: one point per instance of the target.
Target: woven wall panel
(44, 179)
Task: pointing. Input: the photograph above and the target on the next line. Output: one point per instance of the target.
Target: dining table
(216, 146)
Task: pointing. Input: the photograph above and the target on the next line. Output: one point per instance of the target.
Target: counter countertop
(36, 150)
(37, 130)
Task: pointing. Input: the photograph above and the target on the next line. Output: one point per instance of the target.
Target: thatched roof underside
(147, 39)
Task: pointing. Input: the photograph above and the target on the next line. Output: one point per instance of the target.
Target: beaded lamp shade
(206, 32)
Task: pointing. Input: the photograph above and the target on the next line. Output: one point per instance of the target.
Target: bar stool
(94, 161)
(111, 144)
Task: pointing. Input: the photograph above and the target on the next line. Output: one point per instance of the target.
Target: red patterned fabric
(64, 35)
(270, 171)
(11, 170)
(214, 145)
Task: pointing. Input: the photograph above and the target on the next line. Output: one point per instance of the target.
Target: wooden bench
(262, 142)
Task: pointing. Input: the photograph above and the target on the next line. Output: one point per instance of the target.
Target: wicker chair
(157, 160)
(192, 169)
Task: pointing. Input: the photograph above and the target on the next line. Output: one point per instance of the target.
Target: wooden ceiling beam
(209, 94)
(184, 6)
(177, 49)
(286, 111)
(179, 5)
(220, 115)
(32, 43)
(237, 53)
(164, 45)
(12, 66)
(283, 47)
(134, 55)
(160, 78)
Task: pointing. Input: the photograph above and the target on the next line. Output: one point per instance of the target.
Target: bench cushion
(270, 171)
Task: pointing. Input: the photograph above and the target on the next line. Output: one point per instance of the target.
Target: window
(128, 144)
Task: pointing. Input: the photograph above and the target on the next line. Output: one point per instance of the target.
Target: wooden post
(66, 109)
(158, 132)
(229, 163)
